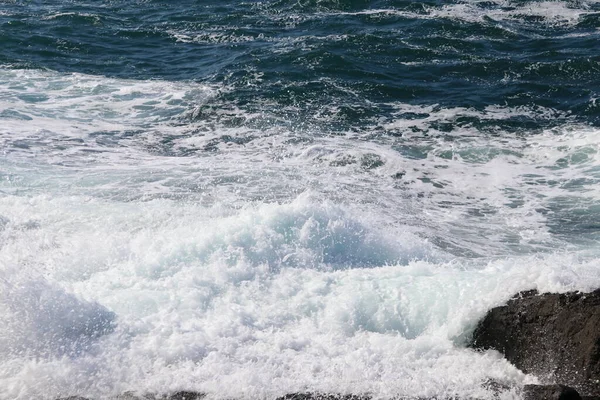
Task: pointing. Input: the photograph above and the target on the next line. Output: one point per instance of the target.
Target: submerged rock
(553, 336)
(186, 396)
(181, 395)
(321, 396)
(371, 161)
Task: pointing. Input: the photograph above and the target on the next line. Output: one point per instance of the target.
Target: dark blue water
(362, 54)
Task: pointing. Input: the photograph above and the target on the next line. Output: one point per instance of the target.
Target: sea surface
(254, 198)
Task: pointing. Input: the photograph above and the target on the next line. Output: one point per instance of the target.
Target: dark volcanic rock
(321, 396)
(181, 395)
(186, 396)
(553, 336)
(550, 392)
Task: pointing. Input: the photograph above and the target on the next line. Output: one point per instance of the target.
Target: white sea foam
(255, 302)
(95, 18)
(45, 111)
(551, 12)
(290, 262)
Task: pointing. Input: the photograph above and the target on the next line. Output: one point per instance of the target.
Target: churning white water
(290, 262)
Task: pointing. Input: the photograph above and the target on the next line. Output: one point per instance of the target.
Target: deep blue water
(359, 54)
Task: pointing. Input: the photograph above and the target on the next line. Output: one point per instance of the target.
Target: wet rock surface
(321, 396)
(553, 336)
(182, 395)
(187, 395)
(550, 392)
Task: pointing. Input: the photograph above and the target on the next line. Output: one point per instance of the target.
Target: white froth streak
(42, 108)
(553, 12)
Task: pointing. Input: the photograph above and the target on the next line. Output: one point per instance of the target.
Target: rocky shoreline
(530, 392)
(555, 337)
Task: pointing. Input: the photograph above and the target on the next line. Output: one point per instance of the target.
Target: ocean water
(255, 198)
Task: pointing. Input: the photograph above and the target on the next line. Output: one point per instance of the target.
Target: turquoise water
(250, 199)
